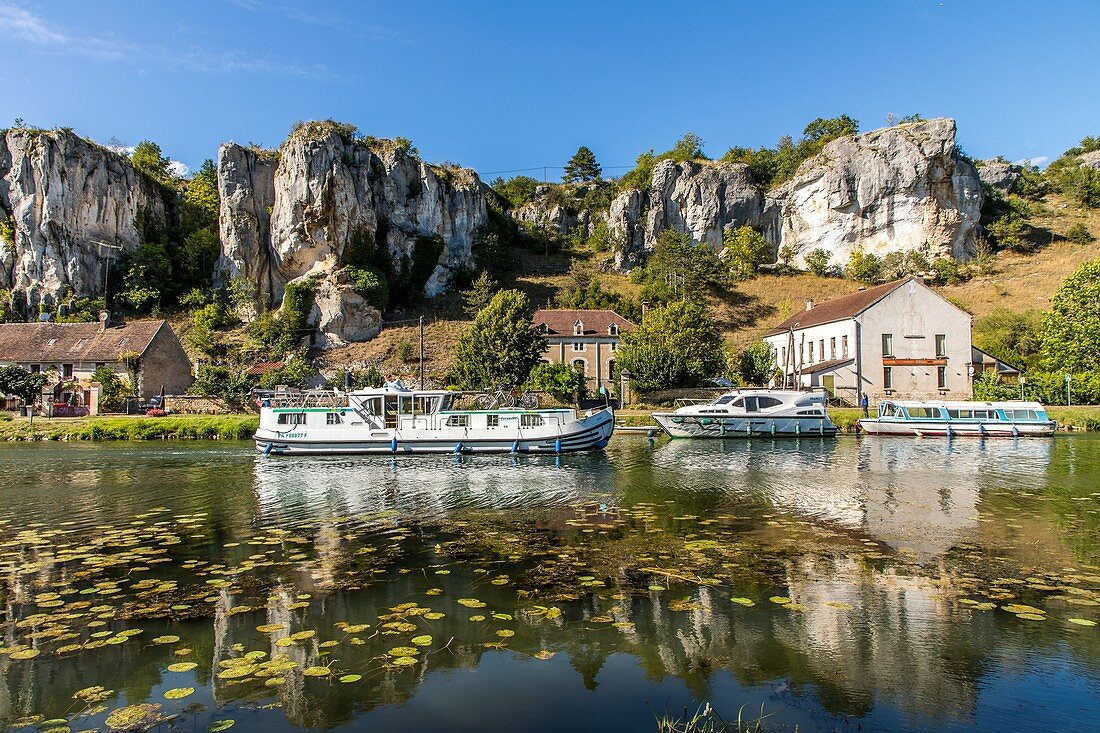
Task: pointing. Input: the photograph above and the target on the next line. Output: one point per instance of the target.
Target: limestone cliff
(61, 197)
(897, 189)
(324, 199)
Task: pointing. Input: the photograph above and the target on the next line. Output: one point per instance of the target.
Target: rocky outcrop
(999, 174)
(326, 200)
(897, 189)
(699, 198)
(66, 204)
(341, 315)
(1090, 160)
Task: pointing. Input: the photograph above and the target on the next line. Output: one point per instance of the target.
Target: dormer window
(613, 329)
(578, 328)
(51, 342)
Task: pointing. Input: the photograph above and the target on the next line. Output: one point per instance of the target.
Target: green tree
(582, 167)
(688, 147)
(562, 381)
(500, 347)
(114, 388)
(989, 388)
(1071, 329)
(148, 276)
(677, 345)
(1012, 336)
(863, 266)
(756, 364)
(824, 129)
(150, 160)
(745, 251)
(680, 268)
(518, 190)
(15, 380)
(479, 295)
(817, 262)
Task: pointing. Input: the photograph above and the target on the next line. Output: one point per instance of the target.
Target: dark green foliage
(293, 373)
(745, 251)
(588, 294)
(756, 364)
(817, 262)
(641, 176)
(148, 276)
(404, 145)
(678, 345)
(1011, 336)
(948, 271)
(493, 241)
(582, 167)
(79, 310)
(688, 147)
(1079, 234)
(771, 167)
(358, 379)
(500, 347)
(1005, 219)
(988, 387)
(561, 381)
(864, 266)
(371, 284)
(1071, 329)
(1080, 183)
(228, 382)
(276, 334)
(425, 258)
(406, 352)
(115, 389)
(896, 265)
(681, 269)
(479, 295)
(17, 381)
(517, 191)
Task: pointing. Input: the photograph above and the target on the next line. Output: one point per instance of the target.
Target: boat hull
(588, 433)
(942, 428)
(690, 426)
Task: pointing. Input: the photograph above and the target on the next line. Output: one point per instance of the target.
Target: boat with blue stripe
(398, 421)
(752, 413)
(1013, 418)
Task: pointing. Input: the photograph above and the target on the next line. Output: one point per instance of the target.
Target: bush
(989, 388)
(406, 353)
(562, 381)
(517, 191)
(1079, 234)
(864, 267)
(115, 389)
(745, 250)
(293, 373)
(817, 261)
(756, 364)
(371, 284)
(678, 345)
(948, 271)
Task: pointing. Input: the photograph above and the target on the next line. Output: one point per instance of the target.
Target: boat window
(713, 412)
(292, 418)
(373, 406)
(723, 400)
(405, 405)
(334, 418)
(809, 412)
(750, 404)
(961, 414)
(1021, 415)
(736, 403)
(492, 421)
(923, 413)
(765, 402)
(888, 410)
(458, 421)
(446, 403)
(530, 421)
(425, 405)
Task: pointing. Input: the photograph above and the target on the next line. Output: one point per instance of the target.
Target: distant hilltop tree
(582, 167)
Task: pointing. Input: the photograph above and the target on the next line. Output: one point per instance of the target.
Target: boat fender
(772, 429)
(393, 444)
(1015, 432)
(458, 448)
(798, 428)
(949, 431)
(557, 446)
(515, 446)
(267, 448)
(602, 444)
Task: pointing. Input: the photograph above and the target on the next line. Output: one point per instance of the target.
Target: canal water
(837, 584)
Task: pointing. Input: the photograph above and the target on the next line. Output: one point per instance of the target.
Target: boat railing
(312, 398)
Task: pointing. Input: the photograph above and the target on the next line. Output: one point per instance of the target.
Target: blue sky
(508, 85)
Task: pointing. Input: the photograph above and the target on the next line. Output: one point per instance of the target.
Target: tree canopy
(500, 347)
(678, 345)
(15, 380)
(582, 166)
(1071, 329)
(150, 160)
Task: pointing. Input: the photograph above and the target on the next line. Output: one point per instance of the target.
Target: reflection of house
(73, 351)
(587, 339)
(986, 362)
(898, 339)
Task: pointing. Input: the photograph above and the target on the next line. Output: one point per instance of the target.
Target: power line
(542, 167)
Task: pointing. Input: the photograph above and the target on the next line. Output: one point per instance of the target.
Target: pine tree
(582, 167)
(480, 293)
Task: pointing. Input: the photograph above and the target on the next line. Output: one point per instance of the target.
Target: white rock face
(341, 315)
(897, 189)
(61, 194)
(700, 198)
(1091, 160)
(322, 197)
(999, 174)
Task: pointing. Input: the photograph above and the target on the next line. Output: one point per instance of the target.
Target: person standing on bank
(865, 404)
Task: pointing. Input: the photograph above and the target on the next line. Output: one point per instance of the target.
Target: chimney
(645, 307)
(809, 305)
(104, 320)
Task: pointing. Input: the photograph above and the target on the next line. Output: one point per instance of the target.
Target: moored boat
(751, 413)
(993, 419)
(398, 421)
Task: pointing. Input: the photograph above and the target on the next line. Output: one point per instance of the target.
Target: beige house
(73, 351)
(586, 339)
(901, 339)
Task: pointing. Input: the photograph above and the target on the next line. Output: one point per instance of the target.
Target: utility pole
(421, 352)
(107, 267)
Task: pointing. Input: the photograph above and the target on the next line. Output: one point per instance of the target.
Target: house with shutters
(71, 352)
(901, 339)
(585, 339)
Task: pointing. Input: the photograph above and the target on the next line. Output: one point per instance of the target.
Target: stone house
(73, 351)
(901, 339)
(586, 339)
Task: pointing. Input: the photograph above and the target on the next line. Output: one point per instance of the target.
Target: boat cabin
(742, 402)
(1013, 411)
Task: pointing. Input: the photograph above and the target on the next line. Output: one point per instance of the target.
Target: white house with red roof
(585, 339)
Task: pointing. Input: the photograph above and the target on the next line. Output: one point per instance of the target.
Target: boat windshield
(723, 400)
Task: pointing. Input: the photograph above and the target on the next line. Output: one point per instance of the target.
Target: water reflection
(648, 553)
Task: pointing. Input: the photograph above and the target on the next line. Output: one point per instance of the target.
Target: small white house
(901, 339)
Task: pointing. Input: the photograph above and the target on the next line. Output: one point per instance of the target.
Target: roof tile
(28, 343)
(560, 322)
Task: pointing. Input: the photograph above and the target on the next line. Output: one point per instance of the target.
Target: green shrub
(371, 285)
(562, 381)
(294, 372)
(864, 267)
(1079, 234)
(406, 353)
(115, 389)
(817, 262)
(756, 364)
(677, 345)
(989, 388)
(745, 250)
(948, 271)
(517, 191)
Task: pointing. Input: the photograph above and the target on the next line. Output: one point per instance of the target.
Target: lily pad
(178, 693)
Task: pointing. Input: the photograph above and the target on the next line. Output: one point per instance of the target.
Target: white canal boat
(397, 421)
(979, 419)
(750, 413)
